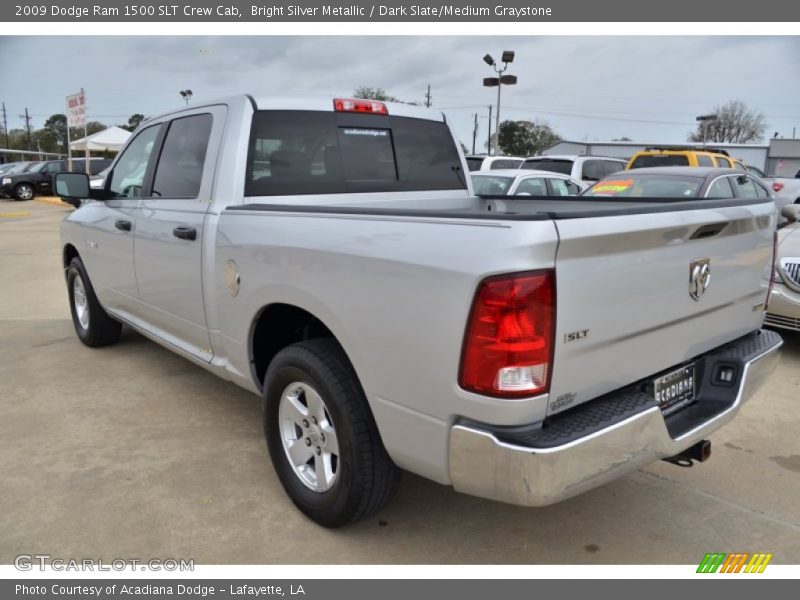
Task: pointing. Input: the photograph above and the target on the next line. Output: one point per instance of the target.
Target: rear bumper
(605, 438)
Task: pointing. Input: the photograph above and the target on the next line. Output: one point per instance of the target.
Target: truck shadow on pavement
(131, 449)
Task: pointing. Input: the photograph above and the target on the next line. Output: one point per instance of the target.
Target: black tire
(366, 478)
(99, 329)
(24, 191)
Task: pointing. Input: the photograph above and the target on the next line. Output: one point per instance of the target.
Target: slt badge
(699, 277)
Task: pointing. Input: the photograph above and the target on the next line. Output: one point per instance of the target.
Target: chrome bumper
(784, 308)
(482, 465)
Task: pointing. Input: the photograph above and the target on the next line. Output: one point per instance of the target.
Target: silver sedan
(516, 182)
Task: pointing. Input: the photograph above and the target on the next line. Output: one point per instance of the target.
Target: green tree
(52, 137)
(525, 138)
(368, 93)
(92, 127)
(735, 123)
(133, 122)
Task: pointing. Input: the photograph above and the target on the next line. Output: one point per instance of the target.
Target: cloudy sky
(587, 88)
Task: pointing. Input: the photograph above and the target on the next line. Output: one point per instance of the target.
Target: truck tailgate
(624, 307)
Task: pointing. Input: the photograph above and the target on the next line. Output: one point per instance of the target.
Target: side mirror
(72, 187)
(791, 212)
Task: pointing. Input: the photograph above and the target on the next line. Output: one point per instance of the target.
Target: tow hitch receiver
(700, 452)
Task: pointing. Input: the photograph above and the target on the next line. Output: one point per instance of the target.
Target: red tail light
(777, 186)
(509, 340)
(360, 106)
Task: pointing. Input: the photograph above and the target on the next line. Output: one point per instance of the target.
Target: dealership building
(779, 157)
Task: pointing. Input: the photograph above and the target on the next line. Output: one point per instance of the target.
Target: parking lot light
(499, 81)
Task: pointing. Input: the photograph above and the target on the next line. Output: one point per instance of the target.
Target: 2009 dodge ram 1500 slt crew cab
(331, 257)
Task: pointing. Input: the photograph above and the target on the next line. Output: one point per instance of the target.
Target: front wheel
(92, 324)
(321, 436)
(24, 191)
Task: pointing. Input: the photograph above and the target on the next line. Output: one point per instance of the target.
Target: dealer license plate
(675, 390)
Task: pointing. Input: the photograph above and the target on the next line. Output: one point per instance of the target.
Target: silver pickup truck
(329, 255)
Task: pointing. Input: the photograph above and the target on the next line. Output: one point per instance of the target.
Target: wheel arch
(68, 254)
(278, 325)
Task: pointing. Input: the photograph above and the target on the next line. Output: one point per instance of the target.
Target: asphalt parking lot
(131, 451)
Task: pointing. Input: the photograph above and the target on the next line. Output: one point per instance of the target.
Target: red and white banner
(76, 110)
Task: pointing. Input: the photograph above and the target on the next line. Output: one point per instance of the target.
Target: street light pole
(508, 56)
(703, 120)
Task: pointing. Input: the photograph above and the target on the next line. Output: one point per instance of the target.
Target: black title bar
(241, 11)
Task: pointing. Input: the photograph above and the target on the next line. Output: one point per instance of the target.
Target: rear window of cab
(315, 152)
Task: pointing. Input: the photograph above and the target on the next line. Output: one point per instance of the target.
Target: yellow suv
(682, 156)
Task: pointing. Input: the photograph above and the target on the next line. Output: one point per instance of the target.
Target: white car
(478, 162)
(517, 182)
(586, 169)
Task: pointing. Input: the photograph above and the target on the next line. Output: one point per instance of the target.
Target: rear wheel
(92, 324)
(321, 436)
(24, 191)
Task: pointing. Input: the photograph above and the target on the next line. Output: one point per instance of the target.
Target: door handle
(123, 225)
(185, 233)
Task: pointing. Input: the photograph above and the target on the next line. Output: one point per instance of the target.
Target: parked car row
(24, 180)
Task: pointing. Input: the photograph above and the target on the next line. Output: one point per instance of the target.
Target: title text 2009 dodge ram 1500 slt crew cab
(331, 257)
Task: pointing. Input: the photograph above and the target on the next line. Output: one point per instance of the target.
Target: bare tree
(368, 93)
(735, 123)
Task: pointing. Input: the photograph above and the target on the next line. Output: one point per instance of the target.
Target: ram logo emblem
(699, 277)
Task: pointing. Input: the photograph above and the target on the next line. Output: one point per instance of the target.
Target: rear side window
(533, 186)
(548, 164)
(490, 185)
(315, 152)
(723, 162)
(611, 166)
(744, 187)
(721, 188)
(180, 165)
(592, 170)
(505, 163)
(660, 160)
(474, 164)
(704, 161)
(562, 187)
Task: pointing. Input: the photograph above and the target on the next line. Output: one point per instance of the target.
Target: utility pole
(489, 143)
(5, 124)
(27, 118)
(428, 97)
(474, 133)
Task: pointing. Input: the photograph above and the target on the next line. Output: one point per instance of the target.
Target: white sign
(76, 110)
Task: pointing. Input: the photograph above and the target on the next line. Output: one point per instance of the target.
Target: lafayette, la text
(195, 590)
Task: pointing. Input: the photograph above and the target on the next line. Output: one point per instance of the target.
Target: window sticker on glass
(368, 132)
(612, 186)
